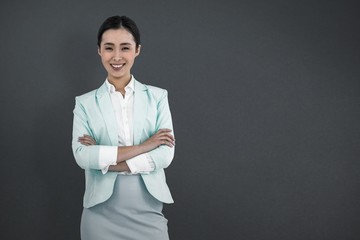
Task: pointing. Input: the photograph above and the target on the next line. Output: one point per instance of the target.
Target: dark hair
(117, 22)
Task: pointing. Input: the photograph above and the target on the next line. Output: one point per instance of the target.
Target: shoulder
(85, 100)
(156, 93)
(91, 95)
(156, 90)
(87, 95)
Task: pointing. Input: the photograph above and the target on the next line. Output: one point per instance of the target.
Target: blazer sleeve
(87, 157)
(163, 155)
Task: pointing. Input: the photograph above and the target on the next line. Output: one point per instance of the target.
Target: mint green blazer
(93, 115)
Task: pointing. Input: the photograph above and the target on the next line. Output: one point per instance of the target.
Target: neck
(120, 83)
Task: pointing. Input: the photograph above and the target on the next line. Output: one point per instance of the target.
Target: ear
(99, 51)
(137, 51)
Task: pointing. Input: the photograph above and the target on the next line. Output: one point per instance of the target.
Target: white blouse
(123, 107)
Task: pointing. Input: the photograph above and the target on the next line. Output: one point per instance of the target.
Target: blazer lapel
(108, 114)
(140, 110)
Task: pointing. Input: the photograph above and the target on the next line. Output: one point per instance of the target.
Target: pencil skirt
(131, 213)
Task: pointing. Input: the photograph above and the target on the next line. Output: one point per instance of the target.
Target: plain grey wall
(266, 107)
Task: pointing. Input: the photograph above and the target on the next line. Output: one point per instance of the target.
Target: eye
(125, 48)
(108, 48)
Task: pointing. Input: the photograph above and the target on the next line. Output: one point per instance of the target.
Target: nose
(117, 59)
(117, 56)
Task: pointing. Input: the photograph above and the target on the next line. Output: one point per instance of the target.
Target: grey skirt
(131, 213)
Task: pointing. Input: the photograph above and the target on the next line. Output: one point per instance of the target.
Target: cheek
(131, 58)
(104, 55)
(105, 59)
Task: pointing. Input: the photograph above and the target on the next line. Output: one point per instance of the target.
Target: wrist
(142, 148)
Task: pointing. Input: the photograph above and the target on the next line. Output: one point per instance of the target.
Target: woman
(122, 138)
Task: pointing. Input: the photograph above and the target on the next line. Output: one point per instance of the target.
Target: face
(118, 52)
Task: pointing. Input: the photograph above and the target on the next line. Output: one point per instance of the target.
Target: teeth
(117, 66)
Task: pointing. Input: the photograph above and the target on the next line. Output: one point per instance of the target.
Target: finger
(167, 141)
(92, 141)
(167, 138)
(86, 142)
(170, 144)
(88, 138)
(167, 135)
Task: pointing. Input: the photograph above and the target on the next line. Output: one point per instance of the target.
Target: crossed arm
(162, 137)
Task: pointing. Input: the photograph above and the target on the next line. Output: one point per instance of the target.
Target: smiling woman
(118, 51)
(123, 155)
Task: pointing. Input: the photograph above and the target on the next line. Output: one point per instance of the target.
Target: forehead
(117, 36)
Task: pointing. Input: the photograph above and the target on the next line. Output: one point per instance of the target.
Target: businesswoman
(123, 139)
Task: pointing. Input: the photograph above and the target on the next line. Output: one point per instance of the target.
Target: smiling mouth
(117, 66)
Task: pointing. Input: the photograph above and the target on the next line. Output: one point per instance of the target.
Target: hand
(87, 140)
(119, 167)
(162, 137)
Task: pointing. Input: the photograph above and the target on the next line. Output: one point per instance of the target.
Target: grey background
(265, 100)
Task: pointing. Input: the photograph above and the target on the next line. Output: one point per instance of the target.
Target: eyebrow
(121, 44)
